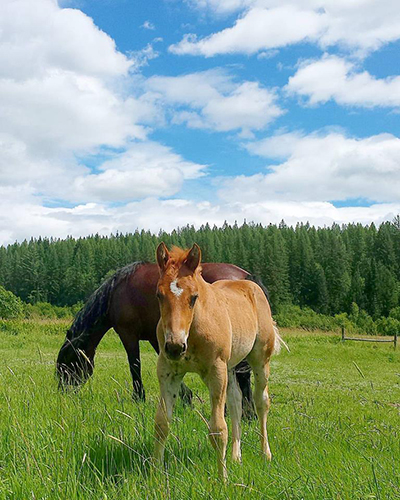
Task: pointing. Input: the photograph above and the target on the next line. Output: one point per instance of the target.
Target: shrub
(48, 311)
(388, 326)
(395, 313)
(11, 306)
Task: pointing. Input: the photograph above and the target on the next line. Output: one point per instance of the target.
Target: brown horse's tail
(74, 362)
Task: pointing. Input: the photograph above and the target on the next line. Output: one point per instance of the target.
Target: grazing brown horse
(127, 302)
(208, 329)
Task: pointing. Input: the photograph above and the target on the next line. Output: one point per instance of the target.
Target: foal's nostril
(174, 350)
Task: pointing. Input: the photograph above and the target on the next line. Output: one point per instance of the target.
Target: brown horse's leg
(169, 387)
(261, 399)
(243, 375)
(131, 344)
(184, 392)
(234, 401)
(216, 381)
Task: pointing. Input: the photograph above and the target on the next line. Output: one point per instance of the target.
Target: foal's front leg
(216, 381)
(169, 389)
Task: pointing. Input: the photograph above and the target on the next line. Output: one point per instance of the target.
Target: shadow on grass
(114, 459)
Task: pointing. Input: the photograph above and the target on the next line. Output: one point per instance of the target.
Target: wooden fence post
(395, 340)
(342, 333)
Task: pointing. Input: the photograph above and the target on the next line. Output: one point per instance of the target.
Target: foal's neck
(203, 287)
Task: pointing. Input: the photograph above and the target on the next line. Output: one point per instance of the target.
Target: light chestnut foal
(208, 329)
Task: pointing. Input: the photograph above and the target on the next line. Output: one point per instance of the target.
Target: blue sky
(122, 114)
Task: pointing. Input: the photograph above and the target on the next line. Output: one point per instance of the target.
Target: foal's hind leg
(261, 398)
(234, 401)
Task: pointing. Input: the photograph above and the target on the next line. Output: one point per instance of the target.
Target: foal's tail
(279, 341)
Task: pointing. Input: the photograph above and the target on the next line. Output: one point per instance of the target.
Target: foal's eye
(159, 295)
(193, 299)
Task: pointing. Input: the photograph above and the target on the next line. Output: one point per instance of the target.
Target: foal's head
(177, 292)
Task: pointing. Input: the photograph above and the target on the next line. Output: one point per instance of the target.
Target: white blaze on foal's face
(175, 288)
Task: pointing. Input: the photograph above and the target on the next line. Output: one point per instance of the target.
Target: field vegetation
(334, 426)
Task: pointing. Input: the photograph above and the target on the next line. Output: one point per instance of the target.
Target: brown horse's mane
(96, 307)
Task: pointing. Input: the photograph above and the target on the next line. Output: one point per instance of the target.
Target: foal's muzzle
(174, 350)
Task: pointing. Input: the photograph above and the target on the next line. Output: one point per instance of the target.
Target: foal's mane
(178, 256)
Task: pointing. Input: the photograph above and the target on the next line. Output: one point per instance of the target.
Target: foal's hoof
(237, 459)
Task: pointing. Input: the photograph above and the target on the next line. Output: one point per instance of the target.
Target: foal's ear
(162, 255)
(194, 258)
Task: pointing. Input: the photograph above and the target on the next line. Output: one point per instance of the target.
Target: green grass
(334, 426)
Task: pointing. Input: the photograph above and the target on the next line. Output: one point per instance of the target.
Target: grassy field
(334, 426)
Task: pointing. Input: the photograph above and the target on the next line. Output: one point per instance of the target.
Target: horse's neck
(206, 292)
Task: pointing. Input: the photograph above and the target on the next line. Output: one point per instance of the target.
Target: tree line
(329, 269)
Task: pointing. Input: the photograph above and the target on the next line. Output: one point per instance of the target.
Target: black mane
(95, 310)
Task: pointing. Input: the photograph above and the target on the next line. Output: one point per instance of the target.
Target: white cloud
(335, 78)
(145, 169)
(322, 167)
(147, 25)
(65, 93)
(211, 99)
(259, 29)
(37, 35)
(21, 217)
(143, 56)
(59, 81)
(359, 25)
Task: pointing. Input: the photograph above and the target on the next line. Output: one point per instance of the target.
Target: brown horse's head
(177, 292)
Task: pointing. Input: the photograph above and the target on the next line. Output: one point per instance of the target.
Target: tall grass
(334, 426)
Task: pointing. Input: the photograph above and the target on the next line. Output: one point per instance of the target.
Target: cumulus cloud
(322, 167)
(145, 169)
(36, 36)
(212, 99)
(32, 219)
(65, 94)
(360, 26)
(59, 76)
(147, 25)
(335, 78)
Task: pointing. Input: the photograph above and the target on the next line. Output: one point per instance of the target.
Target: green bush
(291, 316)
(388, 326)
(47, 311)
(395, 313)
(358, 321)
(11, 306)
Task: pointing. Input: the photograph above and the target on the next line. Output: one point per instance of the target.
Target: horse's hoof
(186, 395)
(248, 411)
(139, 397)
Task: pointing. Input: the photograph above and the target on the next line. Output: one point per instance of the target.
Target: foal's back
(250, 316)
